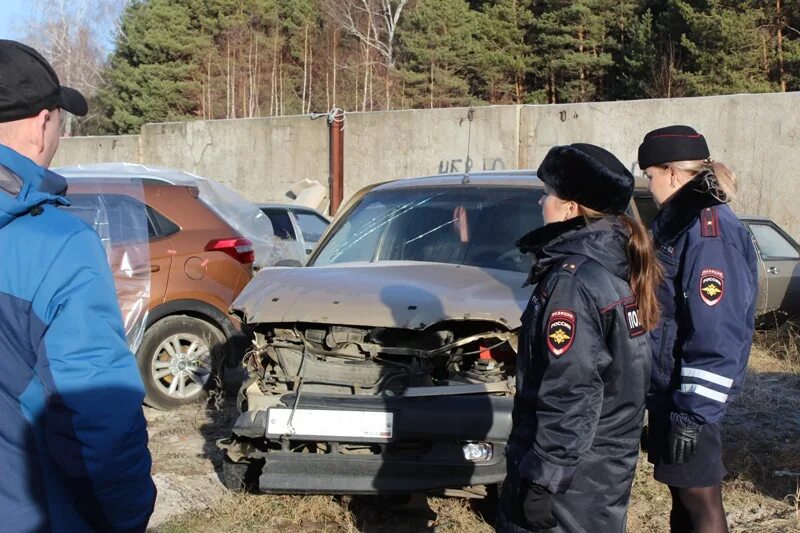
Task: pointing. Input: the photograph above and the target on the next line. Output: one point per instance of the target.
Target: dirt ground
(761, 492)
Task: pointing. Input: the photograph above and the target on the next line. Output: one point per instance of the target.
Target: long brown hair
(643, 267)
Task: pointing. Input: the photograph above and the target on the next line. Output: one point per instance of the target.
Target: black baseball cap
(28, 84)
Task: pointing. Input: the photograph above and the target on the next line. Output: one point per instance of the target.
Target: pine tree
(507, 55)
(781, 41)
(441, 52)
(720, 47)
(790, 22)
(634, 73)
(153, 70)
(575, 43)
(300, 20)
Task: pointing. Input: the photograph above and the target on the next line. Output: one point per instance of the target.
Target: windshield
(463, 225)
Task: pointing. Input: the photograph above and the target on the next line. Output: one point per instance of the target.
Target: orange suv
(197, 266)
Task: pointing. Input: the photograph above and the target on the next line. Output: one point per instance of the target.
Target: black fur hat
(588, 175)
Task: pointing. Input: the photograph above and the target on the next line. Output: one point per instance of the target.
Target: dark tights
(697, 510)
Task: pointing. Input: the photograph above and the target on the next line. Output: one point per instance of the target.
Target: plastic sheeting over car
(239, 213)
(121, 221)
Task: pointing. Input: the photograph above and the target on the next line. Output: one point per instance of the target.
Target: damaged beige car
(387, 363)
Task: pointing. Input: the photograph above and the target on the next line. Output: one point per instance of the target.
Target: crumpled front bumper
(423, 455)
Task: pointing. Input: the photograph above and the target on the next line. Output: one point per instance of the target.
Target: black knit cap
(588, 175)
(28, 85)
(673, 143)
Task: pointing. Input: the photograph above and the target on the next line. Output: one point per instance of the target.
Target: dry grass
(782, 342)
(249, 512)
(182, 441)
(762, 454)
(324, 514)
(760, 440)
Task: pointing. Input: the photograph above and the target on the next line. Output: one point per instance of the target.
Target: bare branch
(373, 23)
(66, 32)
(795, 30)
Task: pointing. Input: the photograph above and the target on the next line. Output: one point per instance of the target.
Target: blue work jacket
(73, 441)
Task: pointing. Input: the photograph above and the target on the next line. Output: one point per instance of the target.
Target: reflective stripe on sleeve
(707, 376)
(705, 391)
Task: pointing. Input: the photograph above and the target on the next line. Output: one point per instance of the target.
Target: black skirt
(705, 469)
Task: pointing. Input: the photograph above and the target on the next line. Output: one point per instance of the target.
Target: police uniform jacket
(582, 374)
(708, 298)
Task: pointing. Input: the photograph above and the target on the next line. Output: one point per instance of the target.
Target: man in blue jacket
(73, 442)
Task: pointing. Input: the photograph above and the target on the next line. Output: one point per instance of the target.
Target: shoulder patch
(712, 286)
(709, 223)
(560, 331)
(635, 328)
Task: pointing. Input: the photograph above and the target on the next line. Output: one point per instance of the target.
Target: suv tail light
(239, 248)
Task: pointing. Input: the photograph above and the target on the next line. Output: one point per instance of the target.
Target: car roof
(108, 171)
(525, 178)
(514, 178)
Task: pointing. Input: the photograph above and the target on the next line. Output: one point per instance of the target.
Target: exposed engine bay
(347, 410)
(471, 356)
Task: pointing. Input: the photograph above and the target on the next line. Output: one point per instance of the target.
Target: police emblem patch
(712, 286)
(560, 331)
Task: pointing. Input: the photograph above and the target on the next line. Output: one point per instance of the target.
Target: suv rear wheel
(179, 361)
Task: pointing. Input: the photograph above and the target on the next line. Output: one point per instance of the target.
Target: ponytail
(644, 270)
(726, 180)
(720, 180)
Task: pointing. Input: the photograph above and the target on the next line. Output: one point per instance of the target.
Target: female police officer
(584, 363)
(708, 300)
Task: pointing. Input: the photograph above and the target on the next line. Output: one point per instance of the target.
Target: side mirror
(288, 263)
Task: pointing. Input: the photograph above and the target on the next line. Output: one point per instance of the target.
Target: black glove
(537, 507)
(682, 441)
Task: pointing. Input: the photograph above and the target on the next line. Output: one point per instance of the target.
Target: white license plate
(377, 425)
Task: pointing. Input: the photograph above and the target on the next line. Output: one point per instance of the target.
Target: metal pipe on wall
(336, 148)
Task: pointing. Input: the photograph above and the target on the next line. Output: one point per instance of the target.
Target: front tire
(179, 361)
(242, 476)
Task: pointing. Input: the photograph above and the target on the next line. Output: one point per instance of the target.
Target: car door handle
(155, 268)
(773, 270)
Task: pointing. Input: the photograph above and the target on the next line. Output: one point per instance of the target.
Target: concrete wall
(259, 158)
(106, 149)
(401, 144)
(757, 135)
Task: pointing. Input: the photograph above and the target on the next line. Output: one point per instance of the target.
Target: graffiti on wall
(454, 166)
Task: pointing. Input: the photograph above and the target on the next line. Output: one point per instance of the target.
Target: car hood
(387, 294)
